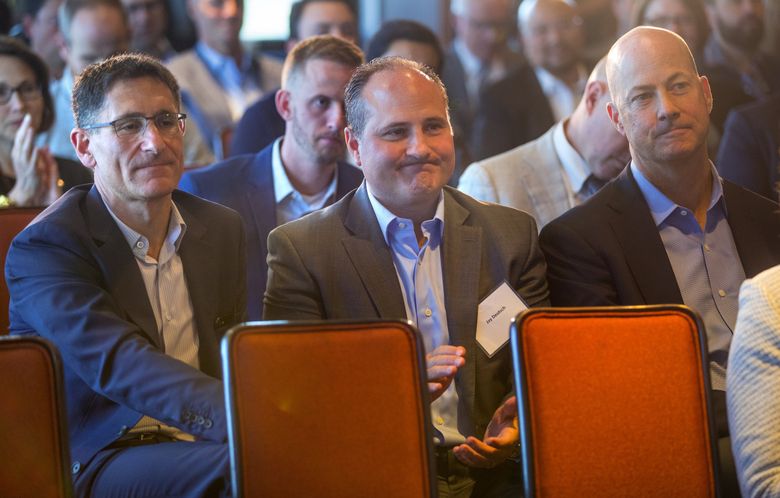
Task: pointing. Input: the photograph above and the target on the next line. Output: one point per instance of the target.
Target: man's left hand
(499, 443)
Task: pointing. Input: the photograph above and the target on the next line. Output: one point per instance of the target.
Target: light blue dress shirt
(706, 265)
(419, 272)
(239, 82)
(291, 204)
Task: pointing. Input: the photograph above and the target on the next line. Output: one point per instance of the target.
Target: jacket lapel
(260, 200)
(372, 258)
(461, 270)
(201, 274)
(643, 249)
(118, 265)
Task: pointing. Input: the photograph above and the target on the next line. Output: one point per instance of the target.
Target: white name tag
(494, 316)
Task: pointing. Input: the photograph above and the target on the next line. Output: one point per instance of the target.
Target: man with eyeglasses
(479, 62)
(93, 30)
(134, 282)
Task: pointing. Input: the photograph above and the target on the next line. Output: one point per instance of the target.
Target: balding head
(553, 35)
(591, 132)
(644, 46)
(659, 101)
(483, 26)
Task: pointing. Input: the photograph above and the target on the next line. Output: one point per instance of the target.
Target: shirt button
(439, 421)
(139, 244)
(402, 225)
(722, 293)
(428, 312)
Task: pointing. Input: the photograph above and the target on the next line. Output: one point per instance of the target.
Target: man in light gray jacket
(560, 169)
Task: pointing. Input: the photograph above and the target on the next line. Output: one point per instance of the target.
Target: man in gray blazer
(403, 245)
(560, 169)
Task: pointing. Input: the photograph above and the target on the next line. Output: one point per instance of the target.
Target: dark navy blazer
(246, 184)
(73, 279)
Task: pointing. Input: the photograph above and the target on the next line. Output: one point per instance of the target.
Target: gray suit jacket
(529, 178)
(335, 264)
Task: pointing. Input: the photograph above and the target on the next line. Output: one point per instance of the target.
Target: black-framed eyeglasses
(167, 123)
(26, 90)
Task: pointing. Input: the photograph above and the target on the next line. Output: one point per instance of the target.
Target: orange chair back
(33, 437)
(12, 221)
(328, 409)
(614, 402)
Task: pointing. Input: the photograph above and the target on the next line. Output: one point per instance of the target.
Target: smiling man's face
(142, 167)
(405, 149)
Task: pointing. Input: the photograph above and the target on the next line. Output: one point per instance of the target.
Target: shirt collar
(551, 84)
(66, 80)
(140, 244)
(384, 217)
(217, 61)
(282, 185)
(471, 64)
(660, 205)
(575, 167)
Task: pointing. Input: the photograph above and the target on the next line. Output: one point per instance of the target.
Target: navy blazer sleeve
(59, 291)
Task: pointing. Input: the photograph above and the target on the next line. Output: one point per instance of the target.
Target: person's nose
(151, 138)
(418, 144)
(667, 106)
(16, 102)
(229, 9)
(336, 116)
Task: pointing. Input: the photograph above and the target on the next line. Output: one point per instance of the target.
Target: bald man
(562, 168)
(668, 229)
(480, 67)
(553, 41)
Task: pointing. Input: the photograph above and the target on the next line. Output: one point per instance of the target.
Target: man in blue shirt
(219, 78)
(298, 173)
(668, 229)
(406, 246)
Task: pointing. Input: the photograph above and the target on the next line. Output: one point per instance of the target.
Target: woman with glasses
(29, 175)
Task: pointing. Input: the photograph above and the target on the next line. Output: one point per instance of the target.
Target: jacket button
(75, 468)
(201, 421)
(209, 424)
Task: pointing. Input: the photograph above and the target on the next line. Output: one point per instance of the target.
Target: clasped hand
(35, 169)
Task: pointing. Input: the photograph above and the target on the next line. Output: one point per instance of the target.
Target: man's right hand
(443, 363)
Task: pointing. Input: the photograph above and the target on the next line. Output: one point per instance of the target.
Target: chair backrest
(12, 221)
(33, 434)
(328, 409)
(614, 402)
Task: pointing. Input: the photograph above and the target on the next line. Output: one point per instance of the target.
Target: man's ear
(614, 116)
(593, 93)
(353, 145)
(81, 140)
(283, 104)
(705, 86)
